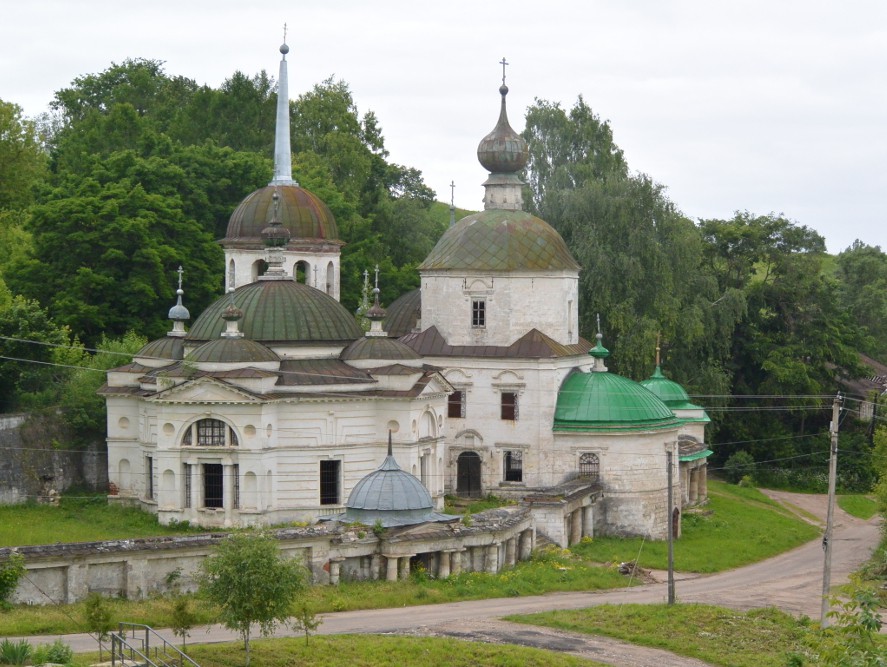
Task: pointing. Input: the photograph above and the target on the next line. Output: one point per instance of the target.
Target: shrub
(11, 571)
(58, 653)
(739, 465)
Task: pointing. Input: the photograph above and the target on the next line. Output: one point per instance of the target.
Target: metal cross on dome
(452, 192)
(180, 271)
(503, 62)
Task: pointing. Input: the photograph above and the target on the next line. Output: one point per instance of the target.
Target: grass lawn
(744, 526)
(757, 638)
(81, 519)
(862, 507)
(377, 650)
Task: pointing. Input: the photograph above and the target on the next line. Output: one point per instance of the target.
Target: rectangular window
(149, 477)
(329, 482)
(456, 405)
(514, 466)
(212, 485)
(186, 474)
(509, 405)
(235, 470)
(478, 313)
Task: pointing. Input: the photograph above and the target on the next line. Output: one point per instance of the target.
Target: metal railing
(137, 645)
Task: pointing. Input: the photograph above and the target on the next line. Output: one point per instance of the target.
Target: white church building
(274, 405)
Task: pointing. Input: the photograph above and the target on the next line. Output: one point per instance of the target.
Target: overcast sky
(765, 106)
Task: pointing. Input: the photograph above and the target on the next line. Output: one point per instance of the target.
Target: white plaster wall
(244, 259)
(515, 303)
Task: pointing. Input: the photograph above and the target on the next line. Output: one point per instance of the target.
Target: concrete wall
(138, 568)
(32, 465)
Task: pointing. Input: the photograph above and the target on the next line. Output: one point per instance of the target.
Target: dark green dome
(403, 313)
(232, 350)
(378, 347)
(300, 212)
(501, 240)
(280, 311)
(607, 402)
(168, 347)
(668, 391)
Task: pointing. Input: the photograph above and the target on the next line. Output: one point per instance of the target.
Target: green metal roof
(403, 313)
(669, 391)
(377, 347)
(501, 240)
(604, 401)
(168, 347)
(705, 453)
(232, 350)
(280, 311)
(301, 212)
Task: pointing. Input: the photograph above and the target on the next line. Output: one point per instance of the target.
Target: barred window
(514, 466)
(187, 477)
(589, 466)
(330, 472)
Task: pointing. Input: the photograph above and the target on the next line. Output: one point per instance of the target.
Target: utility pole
(827, 538)
(668, 456)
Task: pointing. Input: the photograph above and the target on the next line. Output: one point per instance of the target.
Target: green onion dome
(668, 391)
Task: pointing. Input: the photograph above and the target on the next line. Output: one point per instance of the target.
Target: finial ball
(284, 49)
(503, 90)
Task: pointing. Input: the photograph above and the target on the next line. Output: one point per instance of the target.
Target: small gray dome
(389, 489)
(232, 351)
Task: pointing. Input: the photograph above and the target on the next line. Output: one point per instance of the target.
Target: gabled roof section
(319, 372)
(532, 345)
(205, 390)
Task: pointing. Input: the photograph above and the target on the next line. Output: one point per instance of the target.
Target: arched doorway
(468, 475)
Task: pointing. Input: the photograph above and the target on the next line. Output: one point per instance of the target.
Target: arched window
(589, 466)
(330, 278)
(231, 274)
(302, 273)
(210, 433)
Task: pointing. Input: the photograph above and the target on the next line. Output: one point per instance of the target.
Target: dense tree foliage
(22, 161)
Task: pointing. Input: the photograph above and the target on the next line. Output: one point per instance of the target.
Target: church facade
(274, 405)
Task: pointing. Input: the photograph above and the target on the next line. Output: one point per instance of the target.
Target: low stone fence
(138, 568)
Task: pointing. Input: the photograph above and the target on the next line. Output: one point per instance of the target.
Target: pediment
(205, 390)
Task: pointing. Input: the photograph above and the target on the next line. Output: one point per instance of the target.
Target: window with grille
(213, 485)
(509, 405)
(589, 466)
(186, 474)
(478, 313)
(329, 482)
(210, 433)
(456, 405)
(149, 477)
(514, 466)
(235, 470)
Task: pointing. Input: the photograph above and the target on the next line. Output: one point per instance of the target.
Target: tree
(82, 407)
(862, 274)
(305, 620)
(22, 160)
(251, 583)
(183, 618)
(98, 618)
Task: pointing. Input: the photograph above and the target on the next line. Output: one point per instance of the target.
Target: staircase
(136, 645)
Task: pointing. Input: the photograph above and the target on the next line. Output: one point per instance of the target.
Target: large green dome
(301, 212)
(601, 401)
(501, 240)
(280, 311)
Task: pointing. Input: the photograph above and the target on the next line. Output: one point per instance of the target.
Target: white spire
(283, 166)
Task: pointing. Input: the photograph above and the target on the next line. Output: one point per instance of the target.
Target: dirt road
(791, 582)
